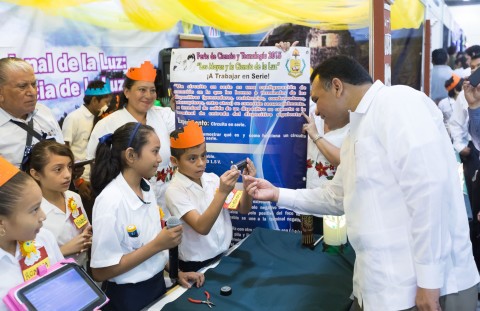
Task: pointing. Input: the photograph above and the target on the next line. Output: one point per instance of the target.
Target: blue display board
(249, 102)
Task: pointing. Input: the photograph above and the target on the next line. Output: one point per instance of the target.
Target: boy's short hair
(177, 152)
(95, 84)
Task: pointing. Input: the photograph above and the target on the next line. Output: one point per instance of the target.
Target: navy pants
(133, 297)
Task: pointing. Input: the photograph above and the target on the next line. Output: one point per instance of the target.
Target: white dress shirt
(398, 186)
(116, 208)
(76, 129)
(10, 266)
(458, 123)
(162, 119)
(13, 137)
(61, 225)
(184, 195)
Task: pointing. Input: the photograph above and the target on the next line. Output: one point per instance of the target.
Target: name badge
(233, 199)
(76, 214)
(32, 259)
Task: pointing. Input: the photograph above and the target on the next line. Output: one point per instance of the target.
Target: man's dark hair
(452, 49)
(439, 57)
(342, 67)
(473, 51)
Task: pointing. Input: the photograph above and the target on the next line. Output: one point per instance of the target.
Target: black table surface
(271, 270)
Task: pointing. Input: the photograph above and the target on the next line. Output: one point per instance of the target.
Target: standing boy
(197, 198)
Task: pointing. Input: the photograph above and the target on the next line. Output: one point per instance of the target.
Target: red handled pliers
(207, 302)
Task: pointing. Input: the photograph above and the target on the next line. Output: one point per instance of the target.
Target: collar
(187, 182)
(5, 117)
(133, 201)
(367, 99)
(86, 112)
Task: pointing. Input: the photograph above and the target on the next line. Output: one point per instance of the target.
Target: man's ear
(337, 87)
(174, 161)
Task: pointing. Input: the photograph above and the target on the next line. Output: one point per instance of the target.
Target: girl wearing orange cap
(24, 245)
(137, 105)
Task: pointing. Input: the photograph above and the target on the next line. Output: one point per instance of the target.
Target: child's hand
(169, 238)
(250, 169)
(228, 181)
(186, 279)
(78, 244)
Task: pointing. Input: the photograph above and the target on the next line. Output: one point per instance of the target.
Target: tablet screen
(66, 290)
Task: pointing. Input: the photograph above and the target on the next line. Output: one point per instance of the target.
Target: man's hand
(428, 299)
(285, 46)
(472, 95)
(261, 189)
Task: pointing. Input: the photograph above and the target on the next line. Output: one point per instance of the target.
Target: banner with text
(249, 101)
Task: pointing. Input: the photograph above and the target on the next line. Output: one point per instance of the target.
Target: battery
(239, 165)
(132, 231)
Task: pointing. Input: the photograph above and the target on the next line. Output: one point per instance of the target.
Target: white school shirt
(60, 224)
(13, 137)
(116, 208)
(10, 266)
(162, 119)
(184, 195)
(76, 129)
(458, 123)
(398, 186)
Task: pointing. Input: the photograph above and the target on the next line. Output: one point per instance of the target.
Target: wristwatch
(317, 138)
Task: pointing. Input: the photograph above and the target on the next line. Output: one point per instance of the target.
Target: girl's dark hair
(11, 192)
(40, 154)
(110, 154)
(457, 88)
(95, 84)
(127, 84)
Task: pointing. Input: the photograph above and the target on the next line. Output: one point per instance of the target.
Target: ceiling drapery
(235, 16)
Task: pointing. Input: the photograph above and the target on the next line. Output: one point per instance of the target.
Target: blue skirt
(133, 296)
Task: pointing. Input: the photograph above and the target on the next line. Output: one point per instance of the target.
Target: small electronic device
(83, 162)
(474, 78)
(239, 165)
(64, 286)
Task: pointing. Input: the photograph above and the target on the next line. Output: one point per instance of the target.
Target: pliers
(207, 302)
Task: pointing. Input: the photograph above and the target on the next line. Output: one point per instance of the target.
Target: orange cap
(146, 72)
(452, 85)
(7, 171)
(192, 136)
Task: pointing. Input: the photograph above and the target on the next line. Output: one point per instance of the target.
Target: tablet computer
(65, 286)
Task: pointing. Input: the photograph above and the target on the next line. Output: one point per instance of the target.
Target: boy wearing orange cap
(198, 199)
